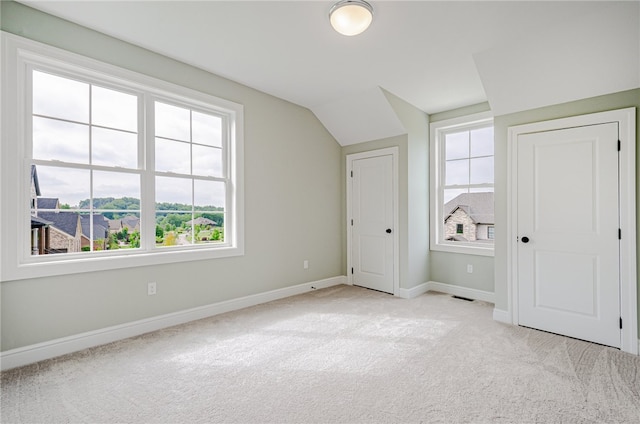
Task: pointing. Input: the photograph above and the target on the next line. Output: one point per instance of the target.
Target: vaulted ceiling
(517, 55)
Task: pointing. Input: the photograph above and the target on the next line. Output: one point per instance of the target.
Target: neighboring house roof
(100, 226)
(48, 203)
(131, 222)
(115, 225)
(64, 221)
(479, 207)
(39, 222)
(201, 221)
(34, 179)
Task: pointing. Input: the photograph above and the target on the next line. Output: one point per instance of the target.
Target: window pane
(207, 129)
(95, 227)
(114, 190)
(482, 142)
(60, 97)
(173, 191)
(172, 229)
(207, 228)
(467, 216)
(457, 145)
(69, 186)
(450, 194)
(114, 148)
(59, 140)
(65, 233)
(114, 109)
(482, 170)
(124, 229)
(209, 195)
(173, 156)
(457, 172)
(456, 213)
(173, 122)
(207, 161)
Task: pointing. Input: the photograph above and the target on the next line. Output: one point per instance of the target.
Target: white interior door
(372, 255)
(568, 224)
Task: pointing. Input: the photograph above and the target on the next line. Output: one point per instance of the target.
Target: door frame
(627, 195)
(389, 151)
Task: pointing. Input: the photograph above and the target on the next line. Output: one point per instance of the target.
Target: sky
(82, 124)
(468, 161)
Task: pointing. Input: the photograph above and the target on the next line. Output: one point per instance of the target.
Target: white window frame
(437, 131)
(19, 55)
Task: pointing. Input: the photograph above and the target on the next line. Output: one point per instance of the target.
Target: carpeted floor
(339, 355)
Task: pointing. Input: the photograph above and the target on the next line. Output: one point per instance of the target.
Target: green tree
(134, 239)
(113, 242)
(123, 234)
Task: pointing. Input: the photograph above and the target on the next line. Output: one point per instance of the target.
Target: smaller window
(462, 168)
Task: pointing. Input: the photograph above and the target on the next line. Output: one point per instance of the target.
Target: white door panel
(568, 271)
(372, 214)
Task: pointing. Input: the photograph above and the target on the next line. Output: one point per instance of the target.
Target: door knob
(525, 239)
(388, 230)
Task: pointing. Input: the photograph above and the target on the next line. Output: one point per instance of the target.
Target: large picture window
(462, 178)
(112, 168)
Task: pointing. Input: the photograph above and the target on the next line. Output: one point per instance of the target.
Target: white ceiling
(435, 55)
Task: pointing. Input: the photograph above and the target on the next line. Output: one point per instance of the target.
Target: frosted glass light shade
(351, 17)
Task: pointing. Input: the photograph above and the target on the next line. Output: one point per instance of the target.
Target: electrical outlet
(151, 289)
(305, 264)
(470, 269)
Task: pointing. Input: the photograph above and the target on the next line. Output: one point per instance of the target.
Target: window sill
(106, 263)
(463, 249)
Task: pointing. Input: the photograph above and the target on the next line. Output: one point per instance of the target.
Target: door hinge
(619, 145)
(352, 222)
(619, 234)
(351, 174)
(621, 323)
(352, 270)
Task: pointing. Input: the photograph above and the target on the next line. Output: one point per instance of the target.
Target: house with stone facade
(65, 231)
(56, 230)
(469, 217)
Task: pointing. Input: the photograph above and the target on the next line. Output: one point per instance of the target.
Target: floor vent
(463, 298)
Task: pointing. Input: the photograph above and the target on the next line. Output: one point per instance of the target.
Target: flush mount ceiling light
(351, 17)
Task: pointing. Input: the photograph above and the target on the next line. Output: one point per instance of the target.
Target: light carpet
(338, 355)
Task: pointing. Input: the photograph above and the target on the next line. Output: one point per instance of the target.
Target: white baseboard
(445, 288)
(413, 292)
(501, 315)
(38, 352)
(461, 291)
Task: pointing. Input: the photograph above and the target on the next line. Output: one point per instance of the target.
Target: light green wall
(463, 111)
(293, 201)
(613, 101)
(451, 268)
(416, 122)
